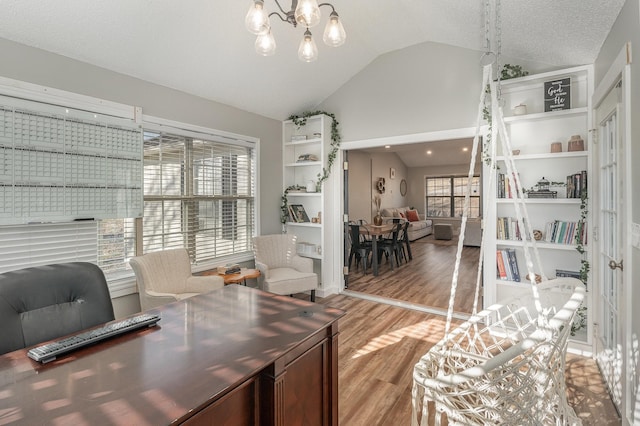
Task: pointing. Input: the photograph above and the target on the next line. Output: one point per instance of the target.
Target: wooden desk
(233, 356)
(375, 231)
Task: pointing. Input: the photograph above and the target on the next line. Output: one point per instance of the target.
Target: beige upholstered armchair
(165, 276)
(282, 270)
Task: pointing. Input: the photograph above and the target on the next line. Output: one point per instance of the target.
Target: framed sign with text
(557, 94)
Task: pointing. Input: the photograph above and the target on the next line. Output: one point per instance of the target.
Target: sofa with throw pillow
(418, 226)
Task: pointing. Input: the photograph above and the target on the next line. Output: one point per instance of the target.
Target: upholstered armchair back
(163, 271)
(46, 302)
(277, 251)
(165, 276)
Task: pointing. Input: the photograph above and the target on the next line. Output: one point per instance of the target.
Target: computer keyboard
(49, 351)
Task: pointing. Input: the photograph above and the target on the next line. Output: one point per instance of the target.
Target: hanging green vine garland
(301, 120)
(581, 315)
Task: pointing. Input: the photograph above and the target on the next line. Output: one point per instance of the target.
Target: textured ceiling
(201, 47)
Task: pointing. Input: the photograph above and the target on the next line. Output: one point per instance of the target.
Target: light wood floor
(379, 345)
(426, 280)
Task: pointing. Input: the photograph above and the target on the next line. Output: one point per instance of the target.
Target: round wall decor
(403, 187)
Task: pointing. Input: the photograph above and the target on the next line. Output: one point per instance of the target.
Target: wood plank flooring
(379, 344)
(425, 280)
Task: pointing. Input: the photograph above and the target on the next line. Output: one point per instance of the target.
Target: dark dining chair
(360, 247)
(390, 246)
(403, 239)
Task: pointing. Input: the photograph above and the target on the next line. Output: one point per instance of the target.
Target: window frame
(155, 124)
(452, 197)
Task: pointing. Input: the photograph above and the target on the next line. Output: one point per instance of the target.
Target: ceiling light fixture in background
(303, 12)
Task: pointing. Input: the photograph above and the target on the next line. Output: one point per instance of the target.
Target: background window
(198, 194)
(445, 196)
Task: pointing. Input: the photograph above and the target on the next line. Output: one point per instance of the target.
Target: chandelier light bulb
(266, 44)
(308, 51)
(257, 20)
(303, 12)
(307, 13)
(334, 34)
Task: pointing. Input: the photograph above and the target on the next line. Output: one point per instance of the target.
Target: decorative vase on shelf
(311, 186)
(377, 219)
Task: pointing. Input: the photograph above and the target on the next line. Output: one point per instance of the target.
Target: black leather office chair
(46, 302)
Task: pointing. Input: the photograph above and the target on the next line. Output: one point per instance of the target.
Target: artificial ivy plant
(581, 315)
(507, 72)
(300, 121)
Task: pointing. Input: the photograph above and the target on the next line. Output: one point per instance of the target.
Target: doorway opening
(422, 282)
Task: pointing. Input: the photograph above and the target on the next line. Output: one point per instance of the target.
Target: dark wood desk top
(202, 347)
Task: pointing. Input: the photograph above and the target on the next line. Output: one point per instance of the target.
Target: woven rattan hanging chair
(505, 365)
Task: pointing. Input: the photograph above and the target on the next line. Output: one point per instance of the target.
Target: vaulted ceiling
(202, 47)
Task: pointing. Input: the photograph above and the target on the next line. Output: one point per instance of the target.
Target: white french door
(609, 339)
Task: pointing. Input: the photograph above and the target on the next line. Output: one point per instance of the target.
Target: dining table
(375, 231)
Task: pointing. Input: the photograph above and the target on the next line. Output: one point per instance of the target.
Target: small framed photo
(392, 173)
(298, 213)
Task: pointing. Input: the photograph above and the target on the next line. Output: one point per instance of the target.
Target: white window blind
(199, 194)
(23, 246)
(59, 164)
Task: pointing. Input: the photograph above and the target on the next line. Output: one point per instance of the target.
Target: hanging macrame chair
(505, 365)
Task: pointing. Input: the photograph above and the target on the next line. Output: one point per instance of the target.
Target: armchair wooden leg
(313, 295)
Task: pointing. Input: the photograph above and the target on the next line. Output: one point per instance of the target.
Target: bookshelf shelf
(540, 244)
(545, 201)
(317, 145)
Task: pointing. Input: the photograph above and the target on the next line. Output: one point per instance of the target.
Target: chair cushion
(290, 281)
(420, 224)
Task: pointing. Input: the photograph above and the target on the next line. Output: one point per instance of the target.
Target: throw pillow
(401, 215)
(412, 215)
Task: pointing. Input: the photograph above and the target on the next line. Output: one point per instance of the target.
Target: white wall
(416, 193)
(381, 164)
(625, 29)
(359, 194)
(364, 171)
(422, 88)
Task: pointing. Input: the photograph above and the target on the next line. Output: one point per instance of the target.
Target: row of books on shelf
(507, 265)
(558, 231)
(562, 232)
(508, 229)
(504, 187)
(577, 185)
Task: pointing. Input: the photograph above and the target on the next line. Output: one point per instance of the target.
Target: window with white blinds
(23, 246)
(198, 194)
(72, 175)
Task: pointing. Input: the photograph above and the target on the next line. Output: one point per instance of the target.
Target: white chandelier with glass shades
(303, 12)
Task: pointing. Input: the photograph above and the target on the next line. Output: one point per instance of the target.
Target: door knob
(613, 264)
